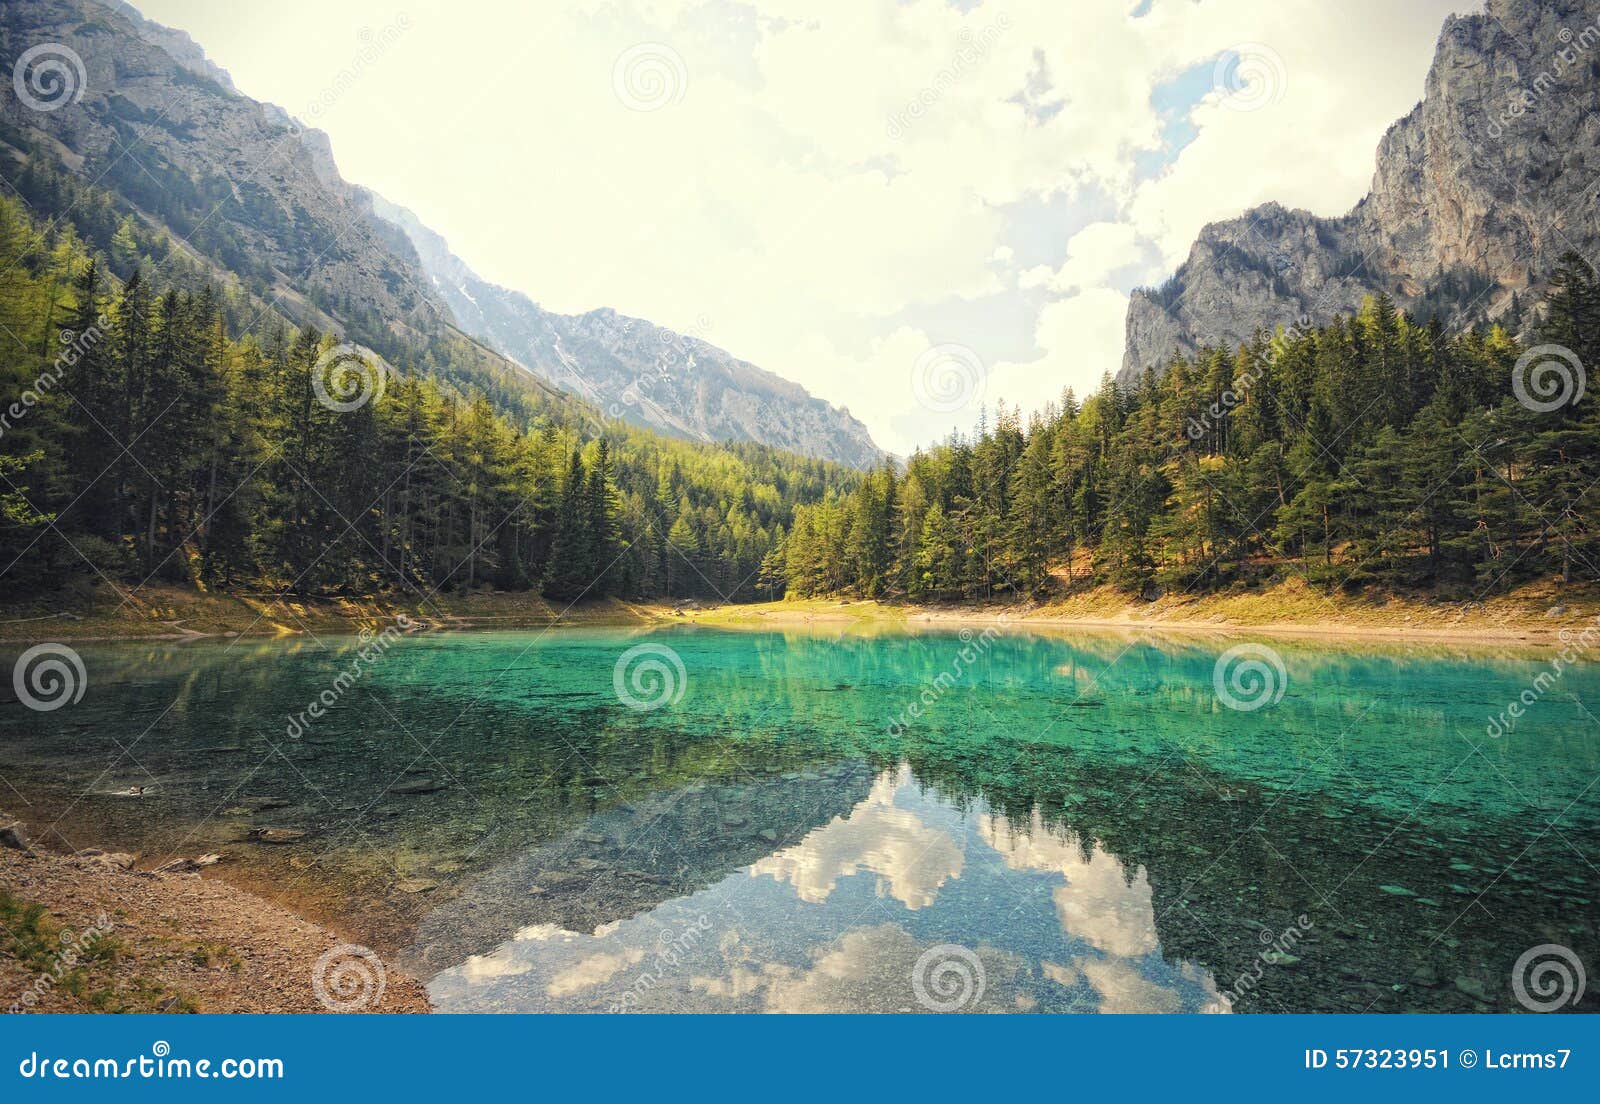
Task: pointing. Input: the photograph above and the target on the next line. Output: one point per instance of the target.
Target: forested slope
(165, 427)
(1370, 452)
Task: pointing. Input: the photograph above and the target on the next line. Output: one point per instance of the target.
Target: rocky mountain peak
(636, 371)
(1477, 193)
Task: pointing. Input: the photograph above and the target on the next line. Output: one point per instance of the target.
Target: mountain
(228, 177)
(184, 49)
(1478, 191)
(133, 131)
(256, 203)
(638, 371)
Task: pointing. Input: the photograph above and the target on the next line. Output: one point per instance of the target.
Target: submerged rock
(278, 835)
(1427, 977)
(420, 786)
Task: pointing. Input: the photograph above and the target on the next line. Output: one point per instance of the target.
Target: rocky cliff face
(637, 371)
(184, 50)
(1477, 194)
(231, 179)
(256, 196)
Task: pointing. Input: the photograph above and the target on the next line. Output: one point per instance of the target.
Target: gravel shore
(108, 938)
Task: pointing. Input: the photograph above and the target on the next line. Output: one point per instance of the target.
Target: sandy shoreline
(175, 614)
(1538, 635)
(1532, 619)
(1535, 616)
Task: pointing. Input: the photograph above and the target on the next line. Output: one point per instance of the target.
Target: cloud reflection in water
(838, 921)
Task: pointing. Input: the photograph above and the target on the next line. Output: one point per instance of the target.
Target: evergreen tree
(571, 572)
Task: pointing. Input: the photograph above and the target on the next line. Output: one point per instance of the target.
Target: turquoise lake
(689, 819)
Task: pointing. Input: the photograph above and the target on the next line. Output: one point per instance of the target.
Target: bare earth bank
(161, 612)
(110, 939)
(1539, 615)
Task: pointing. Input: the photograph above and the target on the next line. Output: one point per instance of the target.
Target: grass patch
(80, 963)
(59, 958)
(218, 955)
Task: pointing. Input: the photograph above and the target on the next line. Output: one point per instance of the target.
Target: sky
(914, 208)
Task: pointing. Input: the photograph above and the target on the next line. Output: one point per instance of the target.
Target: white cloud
(1097, 252)
(792, 194)
(912, 860)
(592, 970)
(1098, 901)
(1081, 336)
(1338, 86)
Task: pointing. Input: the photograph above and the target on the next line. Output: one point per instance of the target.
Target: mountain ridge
(1444, 230)
(635, 370)
(622, 379)
(256, 196)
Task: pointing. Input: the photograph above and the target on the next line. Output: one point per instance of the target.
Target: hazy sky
(830, 188)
